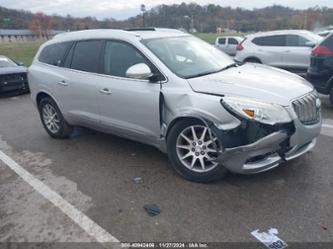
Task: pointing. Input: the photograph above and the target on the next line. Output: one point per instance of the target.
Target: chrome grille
(307, 109)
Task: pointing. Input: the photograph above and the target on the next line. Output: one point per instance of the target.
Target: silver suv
(171, 90)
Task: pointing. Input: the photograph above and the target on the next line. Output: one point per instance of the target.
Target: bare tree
(40, 24)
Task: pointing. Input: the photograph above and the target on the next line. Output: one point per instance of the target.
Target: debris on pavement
(323, 227)
(137, 180)
(270, 239)
(152, 209)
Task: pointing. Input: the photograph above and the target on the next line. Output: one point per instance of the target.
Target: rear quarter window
(54, 54)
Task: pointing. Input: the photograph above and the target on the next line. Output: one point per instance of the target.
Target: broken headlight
(255, 110)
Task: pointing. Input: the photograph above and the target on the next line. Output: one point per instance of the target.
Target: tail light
(239, 47)
(321, 50)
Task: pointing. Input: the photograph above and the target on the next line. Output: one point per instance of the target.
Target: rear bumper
(268, 152)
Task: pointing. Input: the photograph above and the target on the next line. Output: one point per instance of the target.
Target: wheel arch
(179, 119)
(44, 94)
(252, 57)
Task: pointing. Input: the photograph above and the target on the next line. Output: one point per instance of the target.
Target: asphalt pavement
(81, 190)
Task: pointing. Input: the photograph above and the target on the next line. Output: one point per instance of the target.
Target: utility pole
(143, 9)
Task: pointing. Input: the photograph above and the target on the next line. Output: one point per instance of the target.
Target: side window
(222, 41)
(120, 56)
(296, 41)
(232, 41)
(86, 56)
(272, 41)
(54, 53)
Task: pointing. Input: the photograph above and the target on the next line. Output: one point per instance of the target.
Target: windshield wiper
(229, 66)
(217, 71)
(200, 74)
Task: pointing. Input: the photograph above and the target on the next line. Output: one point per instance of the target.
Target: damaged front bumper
(270, 150)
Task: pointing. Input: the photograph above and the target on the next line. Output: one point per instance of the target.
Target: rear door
(128, 106)
(296, 53)
(270, 49)
(231, 46)
(77, 90)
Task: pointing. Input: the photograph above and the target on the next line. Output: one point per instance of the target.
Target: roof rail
(140, 29)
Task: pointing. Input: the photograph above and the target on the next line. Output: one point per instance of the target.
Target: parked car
(228, 44)
(325, 33)
(13, 76)
(288, 49)
(173, 91)
(320, 72)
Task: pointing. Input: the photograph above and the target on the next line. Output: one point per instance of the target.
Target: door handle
(105, 91)
(63, 83)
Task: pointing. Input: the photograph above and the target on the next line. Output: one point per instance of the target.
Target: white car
(289, 49)
(228, 44)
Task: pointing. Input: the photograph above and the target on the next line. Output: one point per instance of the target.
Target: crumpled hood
(10, 70)
(255, 81)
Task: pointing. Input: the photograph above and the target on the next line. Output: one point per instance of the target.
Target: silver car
(175, 92)
(228, 44)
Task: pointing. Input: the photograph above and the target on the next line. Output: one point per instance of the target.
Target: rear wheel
(192, 151)
(52, 119)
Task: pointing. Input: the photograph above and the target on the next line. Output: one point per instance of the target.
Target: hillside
(201, 18)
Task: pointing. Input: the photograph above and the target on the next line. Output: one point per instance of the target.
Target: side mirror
(139, 71)
(310, 44)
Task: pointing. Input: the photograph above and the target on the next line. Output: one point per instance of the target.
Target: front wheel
(192, 151)
(52, 119)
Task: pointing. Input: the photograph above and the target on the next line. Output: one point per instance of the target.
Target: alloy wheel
(196, 149)
(51, 118)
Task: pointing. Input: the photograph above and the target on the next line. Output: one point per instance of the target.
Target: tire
(253, 60)
(61, 129)
(175, 142)
(331, 95)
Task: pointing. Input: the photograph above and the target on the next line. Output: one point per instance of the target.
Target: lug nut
(204, 147)
(193, 149)
(200, 143)
(194, 144)
(197, 153)
(202, 153)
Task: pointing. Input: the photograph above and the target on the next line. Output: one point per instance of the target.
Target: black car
(13, 76)
(320, 72)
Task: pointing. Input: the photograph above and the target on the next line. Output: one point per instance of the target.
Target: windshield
(188, 56)
(5, 62)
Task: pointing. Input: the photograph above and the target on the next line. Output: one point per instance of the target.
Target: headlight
(259, 111)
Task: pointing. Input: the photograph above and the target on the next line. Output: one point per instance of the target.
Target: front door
(128, 106)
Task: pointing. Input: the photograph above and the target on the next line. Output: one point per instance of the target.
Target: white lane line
(327, 126)
(88, 225)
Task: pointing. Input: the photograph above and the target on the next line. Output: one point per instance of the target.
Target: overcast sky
(122, 9)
